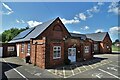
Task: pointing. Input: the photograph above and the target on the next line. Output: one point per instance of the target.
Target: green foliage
(115, 48)
(117, 40)
(8, 35)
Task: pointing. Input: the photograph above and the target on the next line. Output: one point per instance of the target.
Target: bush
(67, 62)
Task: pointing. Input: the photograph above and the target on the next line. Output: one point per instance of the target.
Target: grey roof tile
(97, 36)
(81, 36)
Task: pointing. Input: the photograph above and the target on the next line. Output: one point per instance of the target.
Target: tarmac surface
(103, 66)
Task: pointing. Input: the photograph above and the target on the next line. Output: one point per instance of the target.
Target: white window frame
(95, 47)
(22, 47)
(11, 48)
(86, 49)
(56, 57)
(28, 48)
(107, 47)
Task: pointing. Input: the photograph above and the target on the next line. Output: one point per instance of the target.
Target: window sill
(57, 58)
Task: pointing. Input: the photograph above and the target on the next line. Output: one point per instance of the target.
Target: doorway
(72, 54)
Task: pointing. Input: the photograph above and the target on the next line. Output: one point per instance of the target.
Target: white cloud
(82, 16)
(20, 21)
(89, 12)
(75, 18)
(7, 7)
(100, 3)
(33, 23)
(72, 21)
(99, 30)
(85, 28)
(76, 32)
(114, 30)
(17, 21)
(10, 11)
(114, 8)
(94, 9)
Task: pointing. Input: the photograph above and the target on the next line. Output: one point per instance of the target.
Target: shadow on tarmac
(5, 68)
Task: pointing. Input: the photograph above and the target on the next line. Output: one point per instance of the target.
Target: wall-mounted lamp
(74, 45)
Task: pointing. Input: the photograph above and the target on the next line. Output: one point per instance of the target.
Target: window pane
(56, 52)
(10, 48)
(58, 47)
(58, 55)
(22, 47)
(54, 48)
(28, 50)
(86, 49)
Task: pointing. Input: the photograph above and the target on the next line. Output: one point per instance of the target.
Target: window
(95, 47)
(56, 52)
(28, 48)
(107, 47)
(71, 51)
(22, 47)
(86, 49)
(10, 48)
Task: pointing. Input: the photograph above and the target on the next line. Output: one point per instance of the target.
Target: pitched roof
(32, 32)
(81, 36)
(23, 34)
(97, 36)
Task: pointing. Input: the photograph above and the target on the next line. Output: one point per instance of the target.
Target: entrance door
(1, 51)
(17, 49)
(72, 54)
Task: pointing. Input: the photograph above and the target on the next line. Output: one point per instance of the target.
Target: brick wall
(7, 53)
(54, 35)
(23, 54)
(58, 61)
(74, 43)
(103, 45)
(89, 55)
(38, 52)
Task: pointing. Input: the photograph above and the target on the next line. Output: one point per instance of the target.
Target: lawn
(115, 48)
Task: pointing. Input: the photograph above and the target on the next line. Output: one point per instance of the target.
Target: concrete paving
(14, 67)
(103, 66)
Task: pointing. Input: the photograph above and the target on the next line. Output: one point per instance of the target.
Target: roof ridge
(76, 33)
(96, 33)
(46, 21)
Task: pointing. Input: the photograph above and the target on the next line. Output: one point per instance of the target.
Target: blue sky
(78, 17)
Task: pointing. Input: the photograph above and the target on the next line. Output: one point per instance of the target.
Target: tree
(8, 35)
(117, 40)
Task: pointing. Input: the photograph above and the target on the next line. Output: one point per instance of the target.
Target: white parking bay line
(15, 70)
(84, 66)
(56, 71)
(78, 68)
(89, 65)
(109, 73)
(72, 70)
(64, 72)
(114, 65)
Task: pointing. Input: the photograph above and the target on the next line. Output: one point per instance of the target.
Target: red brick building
(101, 41)
(50, 44)
(7, 49)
